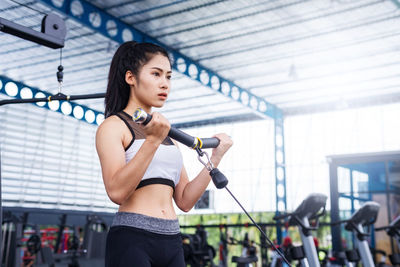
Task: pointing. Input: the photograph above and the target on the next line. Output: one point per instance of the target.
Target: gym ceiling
(232, 59)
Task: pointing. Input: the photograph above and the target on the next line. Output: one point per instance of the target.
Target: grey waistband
(148, 223)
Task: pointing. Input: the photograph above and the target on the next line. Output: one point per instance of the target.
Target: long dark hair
(129, 56)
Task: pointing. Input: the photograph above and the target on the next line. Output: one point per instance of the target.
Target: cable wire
(259, 228)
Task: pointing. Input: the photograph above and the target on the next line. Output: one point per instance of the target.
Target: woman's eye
(169, 77)
(156, 74)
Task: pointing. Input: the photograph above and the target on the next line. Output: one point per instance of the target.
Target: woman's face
(153, 83)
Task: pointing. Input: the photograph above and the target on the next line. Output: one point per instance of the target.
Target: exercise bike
(197, 251)
(249, 251)
(312, 208)
(364, 216)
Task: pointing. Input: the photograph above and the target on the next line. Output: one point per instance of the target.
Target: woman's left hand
(225, 142)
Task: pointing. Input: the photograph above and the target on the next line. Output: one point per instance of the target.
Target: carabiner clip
(209, 166)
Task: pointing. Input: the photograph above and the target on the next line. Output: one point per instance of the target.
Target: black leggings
(132, 247)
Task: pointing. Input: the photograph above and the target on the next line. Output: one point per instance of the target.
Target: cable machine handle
(140, 116)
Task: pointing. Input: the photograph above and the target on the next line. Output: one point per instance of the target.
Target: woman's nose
(165, 83)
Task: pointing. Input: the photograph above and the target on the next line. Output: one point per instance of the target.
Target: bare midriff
(152, 200)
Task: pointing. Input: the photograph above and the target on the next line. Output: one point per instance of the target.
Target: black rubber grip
(209, 142)
(181, 137)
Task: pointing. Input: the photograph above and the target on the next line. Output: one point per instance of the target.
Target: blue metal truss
(280, 172)
(68, 108)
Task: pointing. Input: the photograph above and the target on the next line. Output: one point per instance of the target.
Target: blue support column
(334, 190)
(118, 31)
(351, 190)
(280, 172)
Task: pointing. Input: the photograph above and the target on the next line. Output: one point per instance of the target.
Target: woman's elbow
(185, 208)
(116, 197)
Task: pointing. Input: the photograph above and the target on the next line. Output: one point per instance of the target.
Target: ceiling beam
(20, 90)
(120, 32)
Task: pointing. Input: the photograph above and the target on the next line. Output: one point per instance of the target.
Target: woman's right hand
(157, 129)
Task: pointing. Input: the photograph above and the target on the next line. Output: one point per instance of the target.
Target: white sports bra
(166, 165)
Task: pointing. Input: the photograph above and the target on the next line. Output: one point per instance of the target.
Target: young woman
(142, 167)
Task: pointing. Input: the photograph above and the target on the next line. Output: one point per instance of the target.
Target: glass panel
(394, 176)
(344, 208)
(343, 180)
(360, 184)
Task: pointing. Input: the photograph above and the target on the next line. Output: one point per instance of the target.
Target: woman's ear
(130, 78)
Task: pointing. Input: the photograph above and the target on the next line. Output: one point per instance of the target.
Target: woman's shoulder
(111, 123)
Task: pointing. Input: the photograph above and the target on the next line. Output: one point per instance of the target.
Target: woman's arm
(120, 178)
(187, 193)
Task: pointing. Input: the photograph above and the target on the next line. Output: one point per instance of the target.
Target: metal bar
(363, 248)
(47, 99)
(29, 34)
(309, 245)
(51, 98)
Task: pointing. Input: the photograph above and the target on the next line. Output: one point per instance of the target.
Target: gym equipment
(52, 33)
(379, 257)
(311, 208)
(364, 216)
(33, 246)
(95, 235)
(393, 230)
(13, 241)
(249, 252)
(224, 242)
(218, 178)
(92, 250)
(223, 246)
(12, 233)
(197, 251)
(284, 248)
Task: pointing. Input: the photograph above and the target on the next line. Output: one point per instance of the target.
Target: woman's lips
(163, 96)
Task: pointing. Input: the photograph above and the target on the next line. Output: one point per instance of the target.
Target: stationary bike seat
(249, 259)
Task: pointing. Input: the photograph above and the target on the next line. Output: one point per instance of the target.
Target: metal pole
(309, 245)
(334, 188)
(363, 248)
